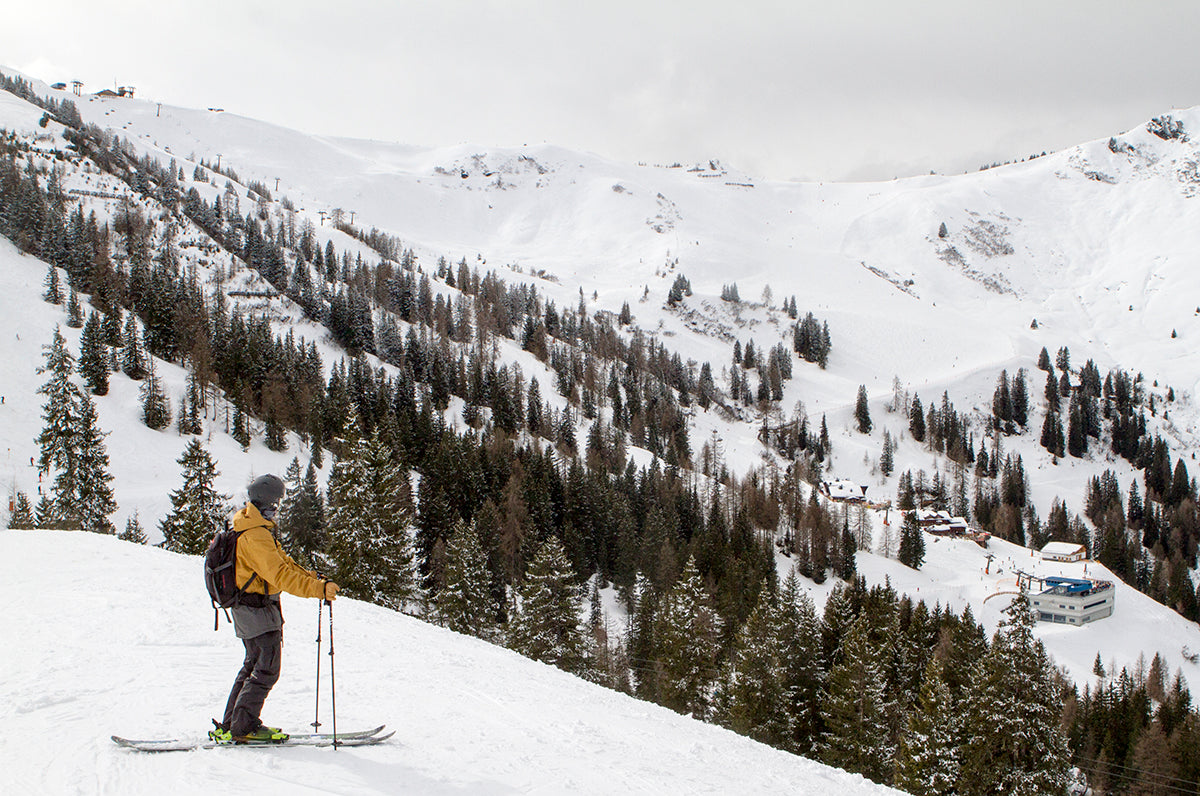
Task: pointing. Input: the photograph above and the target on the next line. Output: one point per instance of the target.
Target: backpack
(220, 573)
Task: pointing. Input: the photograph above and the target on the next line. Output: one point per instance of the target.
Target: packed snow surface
(105, 637)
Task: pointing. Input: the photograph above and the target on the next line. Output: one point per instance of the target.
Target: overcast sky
(839, 90)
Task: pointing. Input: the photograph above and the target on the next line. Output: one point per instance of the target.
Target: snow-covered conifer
(803, 673)
(156, 407)
(545, 625)
(464, 602)
(368, 547)
(94, 502)
(912, 542)
(927, 754)
(1014, 742)
(755, 701)
(198, 510)
(133, 531)
(133, 359)
(21, 517)
(93, 356)
(855, 709)
(687, 633)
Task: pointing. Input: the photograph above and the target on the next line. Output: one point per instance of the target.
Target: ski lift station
(1073, 601)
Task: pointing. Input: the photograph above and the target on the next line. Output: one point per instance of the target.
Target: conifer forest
(503, 496)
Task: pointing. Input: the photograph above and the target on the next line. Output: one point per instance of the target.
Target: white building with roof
(1074, 601)
(844, 491)
(1063, 551)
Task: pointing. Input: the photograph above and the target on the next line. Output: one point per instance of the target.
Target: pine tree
(912, 542)
(94, 502)
(855, 709)
(1077, 444)
(45, 516)
(156, 407)
(862, 411)
(803, 670)
(53, 294)
(754, 688)
(74, 311)
(640, 641)
(1014, 743)
(189, 408)
(916, 419)
(687, 631)
(927, 754)
(887, 459)
(274, 436)
(93, 356)
(22, 514)
(1051, 392)
(133, 359)
(368, 549)
(464, 603)
(60, 436)
(133, 531)
(545, 625)
(302, 517)
(197, 509)
(241, 430)
(1052, 435)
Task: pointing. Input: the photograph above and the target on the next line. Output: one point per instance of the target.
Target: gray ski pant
(258, 676)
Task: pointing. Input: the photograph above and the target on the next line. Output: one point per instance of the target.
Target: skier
(258, 618)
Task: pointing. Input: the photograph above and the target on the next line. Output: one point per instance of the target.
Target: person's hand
(331, 590)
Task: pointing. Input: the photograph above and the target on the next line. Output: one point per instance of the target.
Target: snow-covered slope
(1073, 238)
(105, 637)
(1098, 244)
(957, 573)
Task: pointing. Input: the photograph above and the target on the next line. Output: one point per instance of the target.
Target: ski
(341, 735)
(363, 738)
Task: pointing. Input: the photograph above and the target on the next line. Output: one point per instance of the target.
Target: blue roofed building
(1073, 601)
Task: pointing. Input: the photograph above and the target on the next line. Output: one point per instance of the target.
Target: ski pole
(332, 680)
(316, 725)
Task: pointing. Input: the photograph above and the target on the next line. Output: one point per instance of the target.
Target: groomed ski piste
(105, 637)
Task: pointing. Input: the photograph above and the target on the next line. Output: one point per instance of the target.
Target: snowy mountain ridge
(1103, 265)
(1097, 244)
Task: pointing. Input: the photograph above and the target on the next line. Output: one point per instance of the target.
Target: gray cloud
(854, 90)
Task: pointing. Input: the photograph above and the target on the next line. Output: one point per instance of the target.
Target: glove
(331, 590)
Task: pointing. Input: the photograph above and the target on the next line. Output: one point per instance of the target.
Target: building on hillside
(942, 523)
(1073, 601)
(123, 91)
(927, 518)
(843, 491)
(1063, 551)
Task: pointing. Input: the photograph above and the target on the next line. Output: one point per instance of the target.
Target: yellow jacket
(259, 553)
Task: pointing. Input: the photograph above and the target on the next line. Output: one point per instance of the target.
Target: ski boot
(262, 735)
(220, 733)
